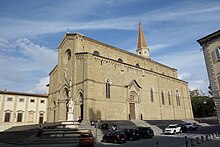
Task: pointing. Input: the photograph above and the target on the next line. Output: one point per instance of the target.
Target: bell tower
(142, 48)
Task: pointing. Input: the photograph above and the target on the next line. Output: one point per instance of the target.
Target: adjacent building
(18, 108)
(96, 81)
(211, 49)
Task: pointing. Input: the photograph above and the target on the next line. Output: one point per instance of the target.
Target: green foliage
(203, 106)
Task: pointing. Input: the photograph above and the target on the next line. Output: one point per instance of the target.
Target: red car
(86, 139)
(115, 137)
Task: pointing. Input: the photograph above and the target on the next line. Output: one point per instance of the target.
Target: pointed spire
(142, 48)
(141, 38)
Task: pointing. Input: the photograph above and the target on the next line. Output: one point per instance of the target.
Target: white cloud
(41, 86)
(185, 76)
(25, 64)
(190, 66)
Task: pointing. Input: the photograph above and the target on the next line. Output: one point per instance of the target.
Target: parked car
(115, 137)
(183, 127)
(173, 129)
(86, 139)
(132, 134)
(105, 126)
(145, 132)
(191, 126)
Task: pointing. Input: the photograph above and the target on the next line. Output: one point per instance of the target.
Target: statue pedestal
(70, 124)
(70, 116)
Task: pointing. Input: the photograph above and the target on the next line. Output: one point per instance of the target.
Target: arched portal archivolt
(133, 100)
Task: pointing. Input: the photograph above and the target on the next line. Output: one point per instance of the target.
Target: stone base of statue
(70, 124)
(70, 116)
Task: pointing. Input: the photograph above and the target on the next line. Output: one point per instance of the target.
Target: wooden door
(132, 110)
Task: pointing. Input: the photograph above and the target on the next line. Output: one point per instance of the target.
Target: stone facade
(21, 109)
(211, 49)
(108, 83)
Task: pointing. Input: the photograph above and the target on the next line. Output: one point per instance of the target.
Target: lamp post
(204, 103)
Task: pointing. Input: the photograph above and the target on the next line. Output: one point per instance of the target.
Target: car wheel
(115, 141)
(130, 138)
(174, 132)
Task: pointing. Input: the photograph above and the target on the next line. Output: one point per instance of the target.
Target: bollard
(217, 134)
(186, 141)
(214, 135)
(157, 144)
(192, 144)
(197, 140)
(202, 138)
(210, 136)
(206, 137)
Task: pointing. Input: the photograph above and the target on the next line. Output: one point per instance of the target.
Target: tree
(203, 106)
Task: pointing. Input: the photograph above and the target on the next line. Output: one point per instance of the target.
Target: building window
(41, 118)
(32, 100)
(177, 98)
(9, 99)
(162, 97)
(21, 99)
(42, 101)
(120, 60)
(96, 53)
(108, 83)
(7, 117)
(137, 65)
(31, 116)
(217, 51)
(19, 117)
(169, 99)
(152, 95)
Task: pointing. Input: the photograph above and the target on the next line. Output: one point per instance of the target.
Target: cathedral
(96, 81)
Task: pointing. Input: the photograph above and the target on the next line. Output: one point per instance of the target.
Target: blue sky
(30, 32)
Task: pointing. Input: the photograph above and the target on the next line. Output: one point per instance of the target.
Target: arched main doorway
(133, 99)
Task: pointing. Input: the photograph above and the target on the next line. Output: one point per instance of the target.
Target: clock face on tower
(67, 56)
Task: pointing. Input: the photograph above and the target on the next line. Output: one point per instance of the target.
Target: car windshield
(171, 126)
(86, 135)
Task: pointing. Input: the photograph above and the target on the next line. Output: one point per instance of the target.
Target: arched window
(162, 97)
(108, 83)
(67, 56)
(177, 98)
(96, 53)
(219, 81)
(169, 99)
(137, 65)
(120, 60)
(152, 95)
(217, 51)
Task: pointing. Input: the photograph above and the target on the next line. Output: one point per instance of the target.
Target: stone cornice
(23, 94)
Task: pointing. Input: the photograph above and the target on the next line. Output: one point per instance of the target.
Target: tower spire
(142, 48)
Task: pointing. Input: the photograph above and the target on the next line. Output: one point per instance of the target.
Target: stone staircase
(52, 133)
(58, 133)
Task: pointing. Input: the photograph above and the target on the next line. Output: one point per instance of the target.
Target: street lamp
(204, 103)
